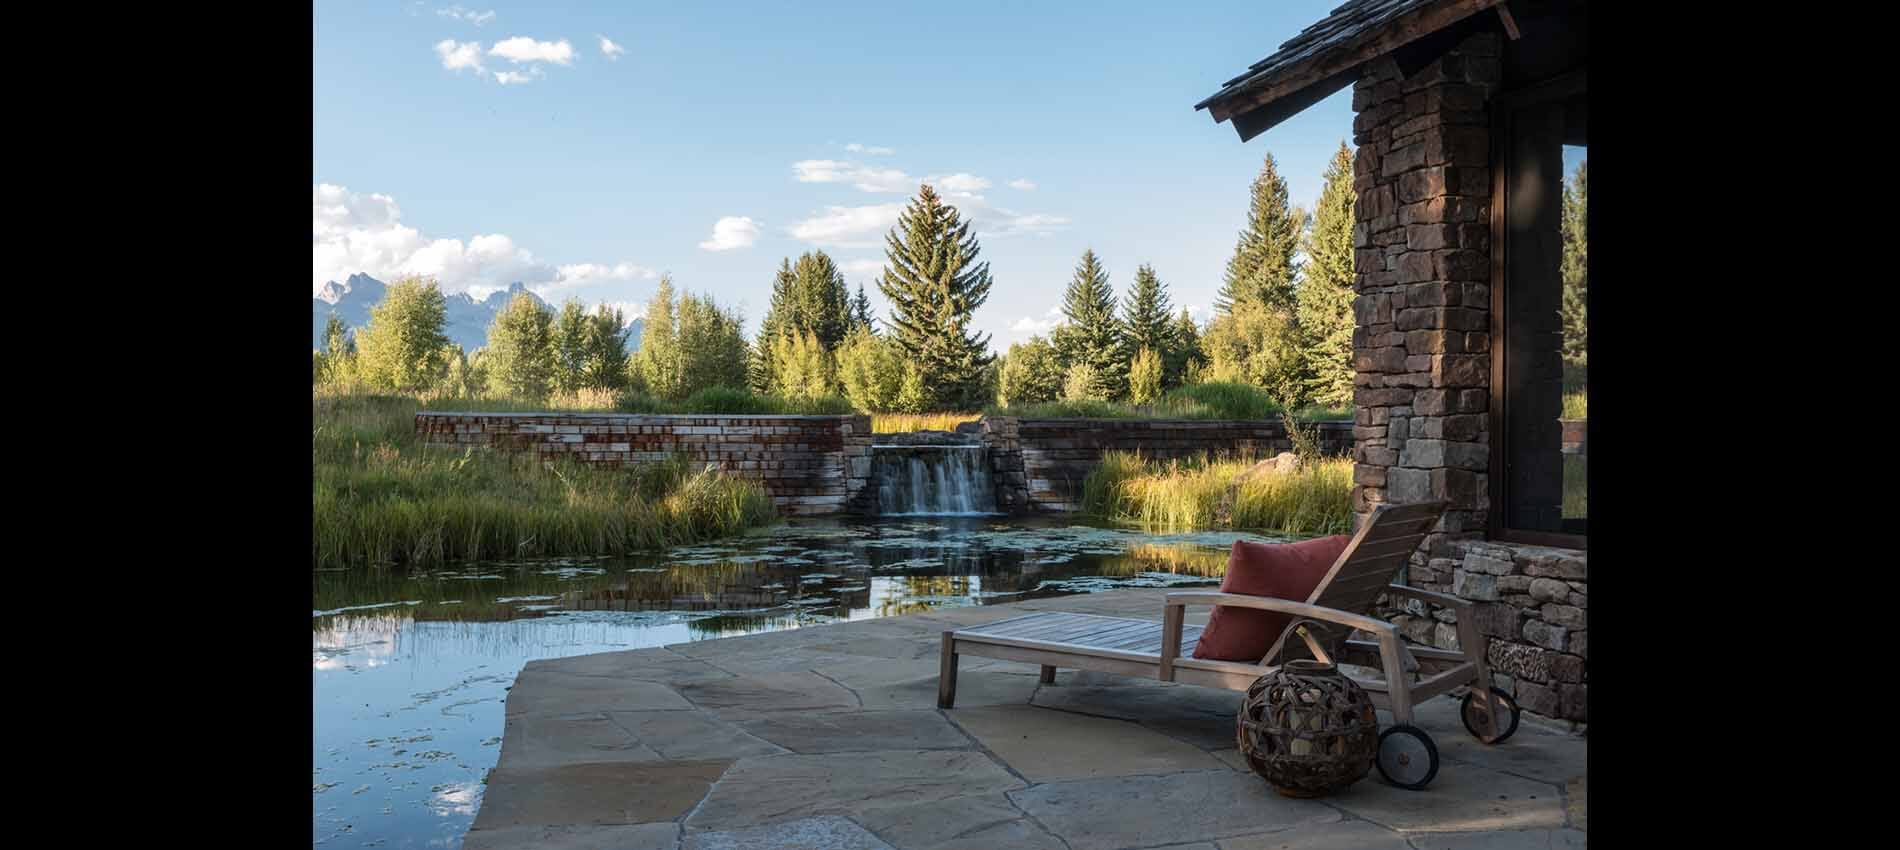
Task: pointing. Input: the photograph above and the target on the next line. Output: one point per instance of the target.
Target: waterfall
(933, 479)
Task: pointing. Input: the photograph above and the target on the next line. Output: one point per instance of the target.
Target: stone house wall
(809, 464)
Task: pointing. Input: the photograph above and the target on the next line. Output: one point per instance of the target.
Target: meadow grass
(897, 423)
(1577, 405)
(1191, 401)
(380, 497)
(1204, 493)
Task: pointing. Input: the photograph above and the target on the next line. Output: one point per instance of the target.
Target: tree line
(1283, 321)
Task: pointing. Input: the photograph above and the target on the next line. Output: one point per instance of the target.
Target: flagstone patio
(829, 737)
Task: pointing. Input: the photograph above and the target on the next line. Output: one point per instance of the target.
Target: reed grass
(380, 497)
(1191, 401)
(1577, 405)
(1208, 493)
(896, 423)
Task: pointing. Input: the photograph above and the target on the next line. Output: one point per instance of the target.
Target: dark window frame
(1502, 105)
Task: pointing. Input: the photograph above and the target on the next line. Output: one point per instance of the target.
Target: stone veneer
(1422, 345)
(809, 464)
(1039, 464)
(1532, 606)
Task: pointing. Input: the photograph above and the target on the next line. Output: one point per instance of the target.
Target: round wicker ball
(1308, 729)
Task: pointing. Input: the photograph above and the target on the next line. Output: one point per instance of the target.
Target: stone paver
(1045, 745)
(823, 833)
(858, 730)
(625, 793)
(766, 789)
(830, 737)
(1144, 811)
(643, 836)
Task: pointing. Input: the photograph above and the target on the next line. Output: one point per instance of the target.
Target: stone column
(1422, 345)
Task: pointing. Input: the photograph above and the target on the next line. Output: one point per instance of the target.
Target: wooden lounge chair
(1342, 602)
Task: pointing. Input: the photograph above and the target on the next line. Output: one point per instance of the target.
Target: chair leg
(1475, 648)
(947, 673)
(1048, 675)
(1397, 686)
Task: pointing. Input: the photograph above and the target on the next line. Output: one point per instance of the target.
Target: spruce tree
(807, 297)
(934, 283)
(1184, 352)
(861, 312)
(1576, 270)
(1145, 314)
(1091, 334)
(1323, 303)
(1262, 267)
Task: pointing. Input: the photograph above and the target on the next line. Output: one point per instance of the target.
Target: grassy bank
(1202, 494)
(1193, 401)
(897, 423)
(379, 497)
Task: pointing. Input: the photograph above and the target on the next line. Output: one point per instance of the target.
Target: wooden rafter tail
(1510, 23)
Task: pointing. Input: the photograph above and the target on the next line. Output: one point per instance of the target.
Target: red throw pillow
(1287, 571)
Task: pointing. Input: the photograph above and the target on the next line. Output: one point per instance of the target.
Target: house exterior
(1468, 347)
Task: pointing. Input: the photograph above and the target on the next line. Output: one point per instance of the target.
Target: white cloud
(609, 49)
(1038, 224)
(507, 78)
(629, 310)
(958, 183)
(353, 232)
(1029, 324)
(731, 232)
(874, 150)
(522, 49)
(863, 268)
(1023, 184)
(844, 226)
(459, 56)
(469, 15)
(865, 178)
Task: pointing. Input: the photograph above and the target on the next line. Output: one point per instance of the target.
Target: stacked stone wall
(809, 464)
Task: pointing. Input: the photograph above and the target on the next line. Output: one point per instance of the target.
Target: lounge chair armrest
(1446, 600)
(1298, 609)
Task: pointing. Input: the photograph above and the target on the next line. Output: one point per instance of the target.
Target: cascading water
(914, 478)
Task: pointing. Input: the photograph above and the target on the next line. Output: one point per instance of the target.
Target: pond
(410, 669)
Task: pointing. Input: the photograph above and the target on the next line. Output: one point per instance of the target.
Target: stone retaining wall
(809, 464)
(1532, 605)
(1039, 464)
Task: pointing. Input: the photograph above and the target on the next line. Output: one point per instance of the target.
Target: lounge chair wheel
(1478, 718)
(1407, 757)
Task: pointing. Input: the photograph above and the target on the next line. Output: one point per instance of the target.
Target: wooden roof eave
(1279, 93)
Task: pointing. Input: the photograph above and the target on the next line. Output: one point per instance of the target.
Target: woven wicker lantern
(1308, 729)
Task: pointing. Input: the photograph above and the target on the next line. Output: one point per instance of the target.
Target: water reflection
(410, 669)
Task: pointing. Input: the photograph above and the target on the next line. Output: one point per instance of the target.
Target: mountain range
(467, 319)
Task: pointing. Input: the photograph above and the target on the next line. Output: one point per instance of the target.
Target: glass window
(1542, 384)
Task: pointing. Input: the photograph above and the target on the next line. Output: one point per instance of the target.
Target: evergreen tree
(1183, 352)
(1323, 302)
(807, 296)
(1145, 314)
(570, 346)
(1262, 267)
(522, 356)
(337, 362)
(861, 312)
(935, 284)
(401, 349)
(1091, 334)
(658, 360)
(1576, 270)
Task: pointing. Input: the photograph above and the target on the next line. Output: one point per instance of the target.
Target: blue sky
(492, 142)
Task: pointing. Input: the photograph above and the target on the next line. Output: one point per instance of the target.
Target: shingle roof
(1355, 27)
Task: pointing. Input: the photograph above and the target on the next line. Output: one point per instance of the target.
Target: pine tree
(523, 359)
(861, 312)
(1262, 267)
(1323, 303)
(1091, 334)
(1576, 270)
(401, 349)
(807, 297)
(1183, 351)
(935, 284)
(1145, 318)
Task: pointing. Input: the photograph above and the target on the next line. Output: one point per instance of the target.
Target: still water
(410, 669)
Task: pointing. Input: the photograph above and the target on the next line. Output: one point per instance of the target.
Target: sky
(585, 148)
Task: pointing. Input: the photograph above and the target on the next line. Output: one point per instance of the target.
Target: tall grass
(896, 423)
(1206, 493)
(1191, 401)
(380, 497)
(1577, 405)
